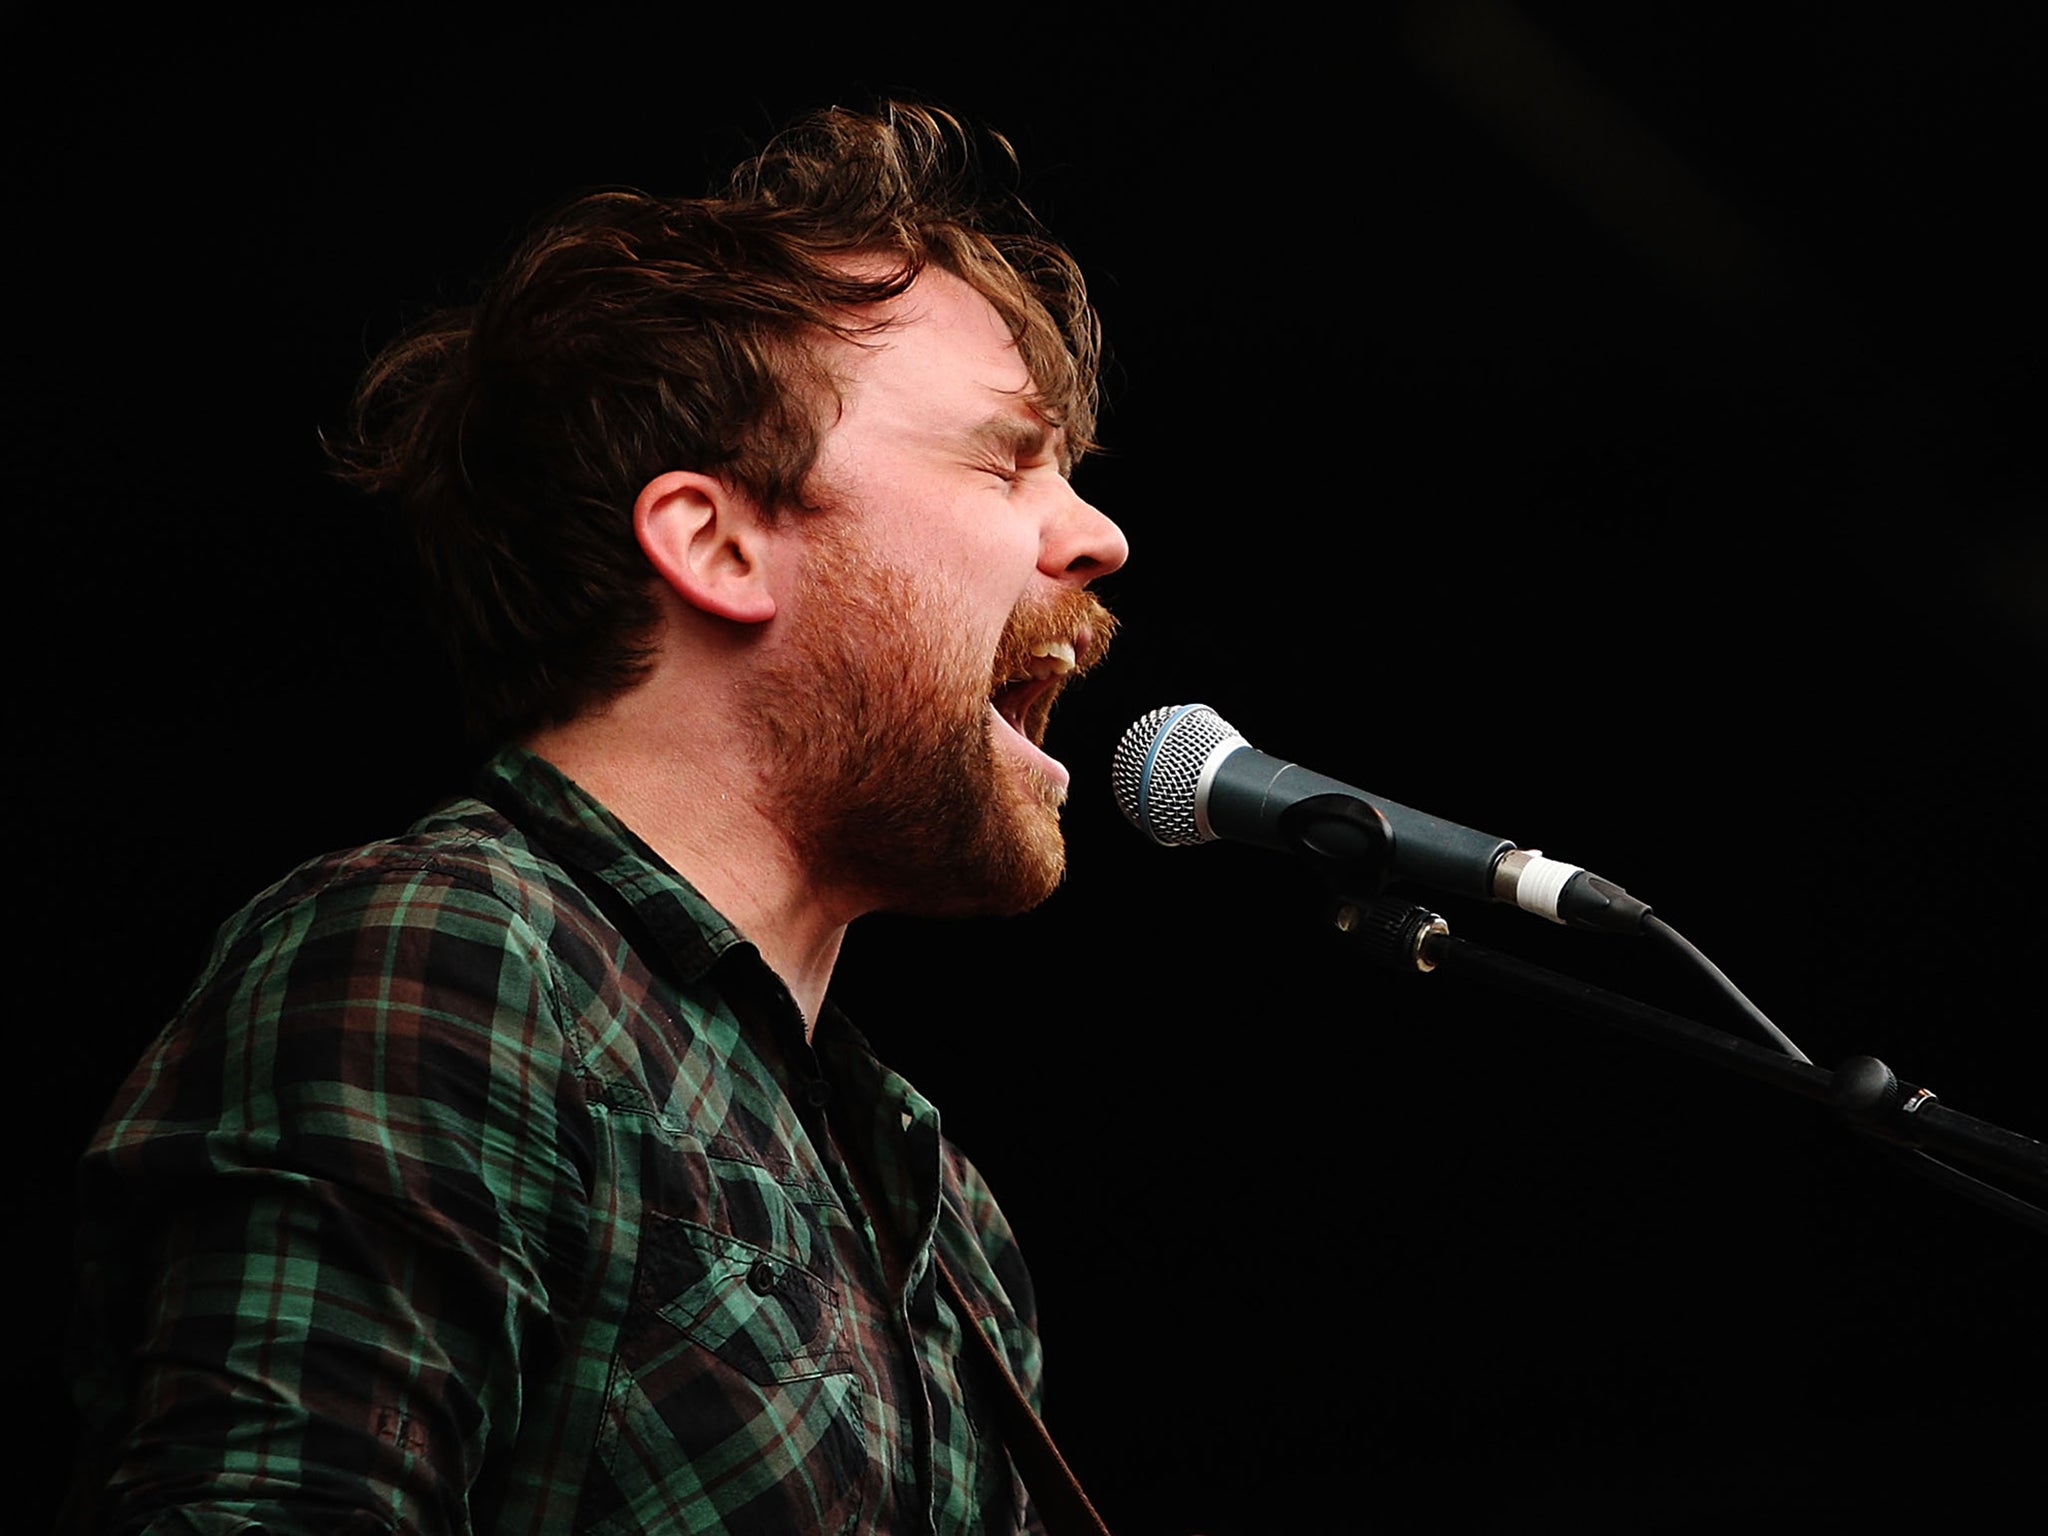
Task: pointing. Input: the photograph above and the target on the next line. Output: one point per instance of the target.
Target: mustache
(1075, 616)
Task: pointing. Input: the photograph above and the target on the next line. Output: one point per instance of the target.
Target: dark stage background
(1604, 425)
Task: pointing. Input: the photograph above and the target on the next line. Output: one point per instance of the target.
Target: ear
(708, 543)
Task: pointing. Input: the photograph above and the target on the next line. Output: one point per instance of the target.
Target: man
(515, 1174)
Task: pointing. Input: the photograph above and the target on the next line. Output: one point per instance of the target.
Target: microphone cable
(1689, 953)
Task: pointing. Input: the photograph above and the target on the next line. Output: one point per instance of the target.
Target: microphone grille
(1158, 769)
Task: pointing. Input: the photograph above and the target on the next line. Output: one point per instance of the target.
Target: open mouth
(1025, 698)
(1039, 655)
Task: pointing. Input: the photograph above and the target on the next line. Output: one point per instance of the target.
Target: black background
(1610, 426)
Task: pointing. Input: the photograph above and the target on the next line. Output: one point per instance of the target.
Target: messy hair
(630, 335)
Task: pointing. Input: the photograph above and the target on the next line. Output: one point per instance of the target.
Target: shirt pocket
(735, 1392)
(756, 1309)
(740, 1263)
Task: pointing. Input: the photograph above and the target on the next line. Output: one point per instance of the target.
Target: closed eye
(1012, 445)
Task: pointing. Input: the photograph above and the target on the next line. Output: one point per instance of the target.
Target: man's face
(943, 608)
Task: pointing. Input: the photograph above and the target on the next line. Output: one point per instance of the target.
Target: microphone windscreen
(1157, 772)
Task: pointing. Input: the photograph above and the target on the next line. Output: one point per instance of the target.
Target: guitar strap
(1055, 1492)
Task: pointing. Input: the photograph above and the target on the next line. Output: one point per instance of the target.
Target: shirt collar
(560, 815)
(556, 812)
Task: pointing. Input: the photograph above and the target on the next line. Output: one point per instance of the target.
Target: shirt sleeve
(331, 1213)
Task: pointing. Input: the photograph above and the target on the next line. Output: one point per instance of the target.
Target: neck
(701, 807)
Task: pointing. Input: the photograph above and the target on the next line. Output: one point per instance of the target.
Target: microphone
(1184, 775)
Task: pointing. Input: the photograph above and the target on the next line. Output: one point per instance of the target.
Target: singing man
(517, 1174)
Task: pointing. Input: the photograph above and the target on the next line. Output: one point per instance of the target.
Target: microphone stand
(1863, 1090)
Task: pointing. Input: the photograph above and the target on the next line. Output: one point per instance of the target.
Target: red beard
(876, 729)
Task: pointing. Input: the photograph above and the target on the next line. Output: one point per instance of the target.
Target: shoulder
(463, 861)
(417, 968)
(376, 1043)
(463, 899)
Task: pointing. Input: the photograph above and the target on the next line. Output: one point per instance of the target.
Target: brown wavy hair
(631, 334)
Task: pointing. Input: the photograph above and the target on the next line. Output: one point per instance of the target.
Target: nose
(1081, 543)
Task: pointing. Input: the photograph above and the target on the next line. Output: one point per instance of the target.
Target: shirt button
(817, 1093)
(761, 1278)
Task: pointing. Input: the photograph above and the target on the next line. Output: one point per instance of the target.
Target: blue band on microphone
(1151, 757)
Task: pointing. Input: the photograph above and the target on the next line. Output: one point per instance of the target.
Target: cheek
(996, 577)
(979, 584)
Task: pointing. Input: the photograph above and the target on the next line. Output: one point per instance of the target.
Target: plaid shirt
(486, 1182)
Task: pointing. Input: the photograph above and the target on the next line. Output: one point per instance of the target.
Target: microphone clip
(1347, 837)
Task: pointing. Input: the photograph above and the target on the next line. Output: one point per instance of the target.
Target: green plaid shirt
(486, 1182)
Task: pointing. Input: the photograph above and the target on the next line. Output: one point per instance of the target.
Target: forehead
(943, 360)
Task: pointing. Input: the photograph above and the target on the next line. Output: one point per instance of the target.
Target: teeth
(1051, 658)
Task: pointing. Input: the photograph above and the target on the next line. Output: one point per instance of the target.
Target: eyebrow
(1023, 436)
